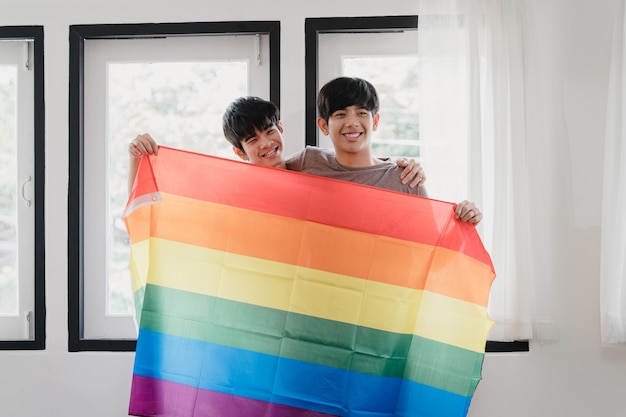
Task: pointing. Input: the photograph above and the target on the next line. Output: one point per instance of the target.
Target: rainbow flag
(267, 293)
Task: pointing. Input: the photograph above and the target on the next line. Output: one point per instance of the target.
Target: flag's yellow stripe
(316, 293)
(315, 246)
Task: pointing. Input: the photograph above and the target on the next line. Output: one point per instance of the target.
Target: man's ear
(241, 154)
(376, 120)
(280, 127)
(321, 123)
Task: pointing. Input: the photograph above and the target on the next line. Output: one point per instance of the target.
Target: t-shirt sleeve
(296, 161)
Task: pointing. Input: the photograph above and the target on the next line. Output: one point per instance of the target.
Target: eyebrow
(269, 124)
(361, 107)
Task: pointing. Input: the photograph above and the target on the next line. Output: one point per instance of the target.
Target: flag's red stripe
(301, 196)
(145, 181)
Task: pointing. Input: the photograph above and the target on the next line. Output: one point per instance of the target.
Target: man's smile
(271, 153)
(351, 136)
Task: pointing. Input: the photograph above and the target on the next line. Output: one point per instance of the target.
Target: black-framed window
(79, 188)
(314, 27)
(22, 247)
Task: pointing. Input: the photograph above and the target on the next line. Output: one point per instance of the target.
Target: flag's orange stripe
(352, 206)
(316, 246)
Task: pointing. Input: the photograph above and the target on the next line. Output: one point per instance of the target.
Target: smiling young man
(348, 113)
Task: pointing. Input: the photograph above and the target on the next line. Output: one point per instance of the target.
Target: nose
(266, 142)
(351, 119)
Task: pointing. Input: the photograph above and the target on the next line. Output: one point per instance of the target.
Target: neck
(357, 159)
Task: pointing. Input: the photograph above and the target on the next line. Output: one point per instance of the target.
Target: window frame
(315, 26)
(368, 24)
(78, 34)
(36, 34)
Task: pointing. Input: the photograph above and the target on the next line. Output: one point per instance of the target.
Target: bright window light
(160, 98)
(9, 304)
(395, 79)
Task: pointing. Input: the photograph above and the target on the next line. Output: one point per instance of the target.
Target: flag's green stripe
(443, 366)
(138, 296)
(310, 339)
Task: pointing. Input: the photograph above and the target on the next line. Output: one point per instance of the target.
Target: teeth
(352, 135)
(272, 152)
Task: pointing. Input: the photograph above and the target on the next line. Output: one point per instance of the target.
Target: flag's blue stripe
(424, 401)
(286, 381)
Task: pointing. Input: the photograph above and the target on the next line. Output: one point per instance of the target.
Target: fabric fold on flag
(265, 292)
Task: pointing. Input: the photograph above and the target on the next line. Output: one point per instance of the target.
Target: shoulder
(387, 175)
(309, 157)
(314, 151)
(296, 161)
(295, 157)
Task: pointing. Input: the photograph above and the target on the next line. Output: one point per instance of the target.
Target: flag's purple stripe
(284, 381)
(156, 397)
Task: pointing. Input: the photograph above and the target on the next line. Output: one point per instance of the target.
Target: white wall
(572, 377)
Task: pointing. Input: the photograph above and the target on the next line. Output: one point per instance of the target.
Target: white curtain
(473, 119)
(613, 241)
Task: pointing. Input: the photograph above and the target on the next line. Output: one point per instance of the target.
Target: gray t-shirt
(322, 162)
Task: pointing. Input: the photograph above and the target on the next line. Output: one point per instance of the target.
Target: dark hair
(344, 92)
(245, 116)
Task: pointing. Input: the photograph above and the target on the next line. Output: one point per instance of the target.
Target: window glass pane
(407, 127)
(389, 60)
(8, 191)
(165, 96)
(173, 87)
(17, 193)
(395, 79)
